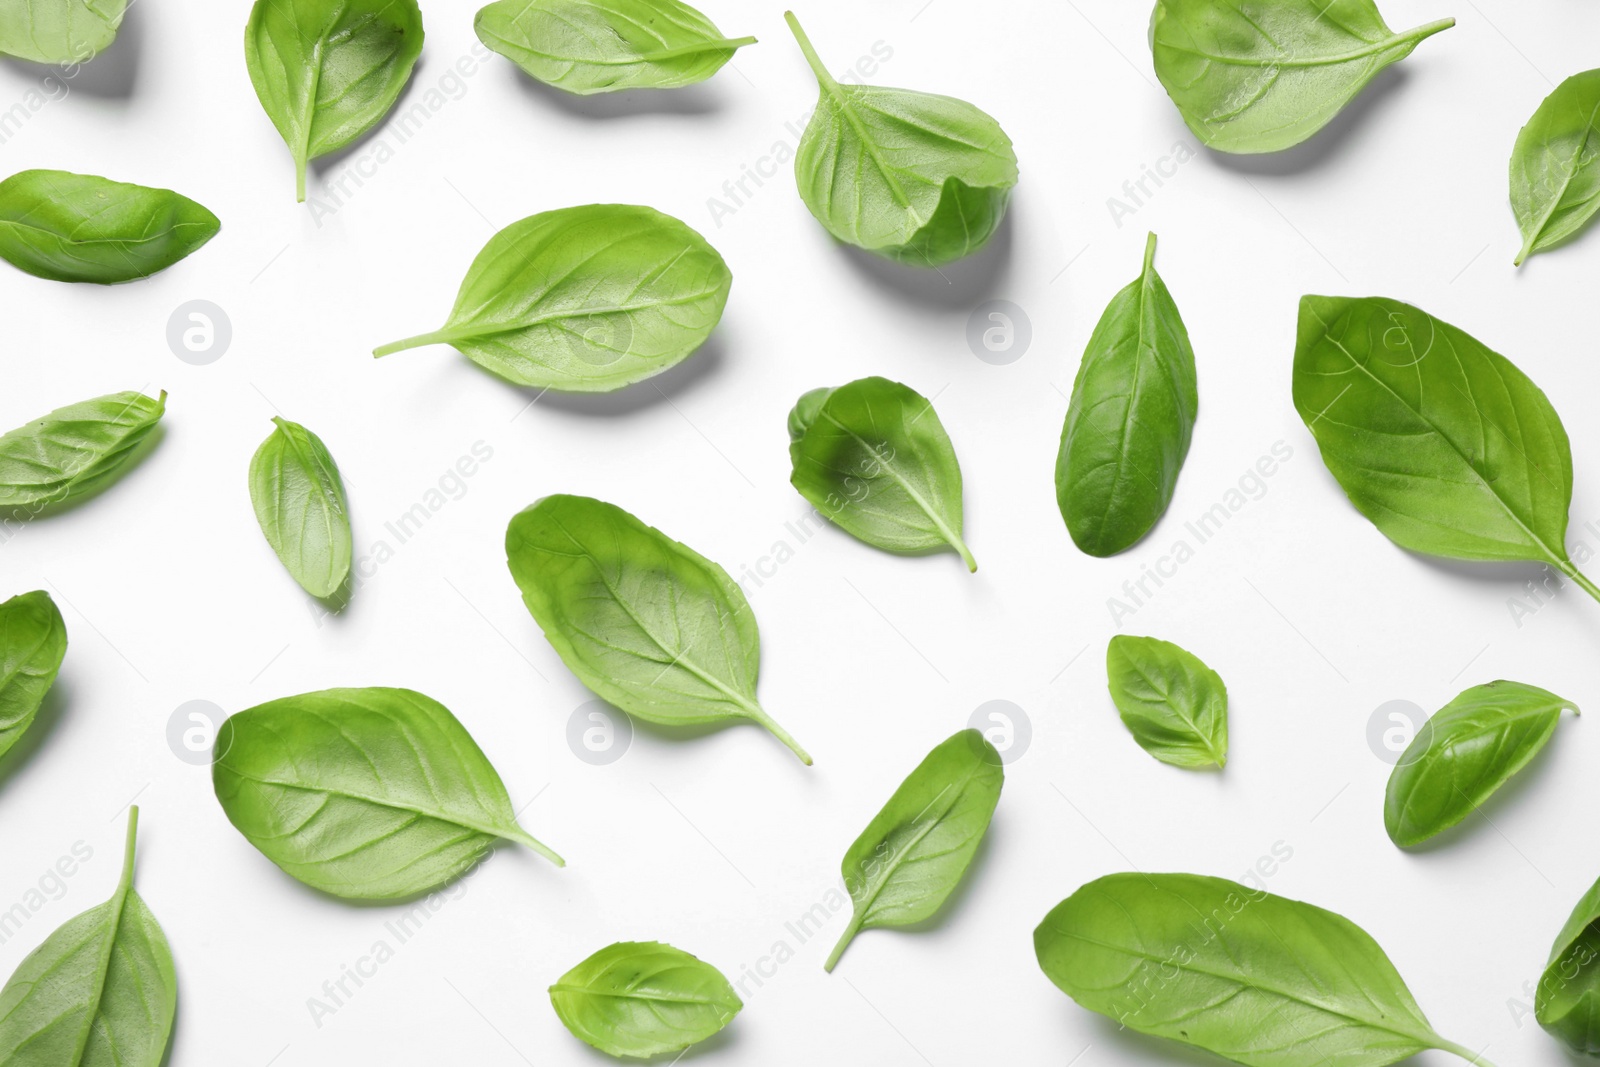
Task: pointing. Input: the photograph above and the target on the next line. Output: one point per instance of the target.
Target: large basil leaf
(327, 71)
(368, 794)
(1256, 978)
(586, 299)
(59, 32)
(914, 852)
(600, 46)
(79, 228)
(873, 457)
(1446, 446)
(33, 641)
(643, 998)
(73, 451)
(299, 501)
(1469, 749)
(920, 178)
(100, 992)
(1173, 704)
(1260, 77)
(1130, 420)
(1555, 173)
(1567, 1001)
(649, 624)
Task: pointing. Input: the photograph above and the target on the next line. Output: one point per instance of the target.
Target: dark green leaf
(33, 641)
(1174, 705)
(1555, 178)
(73, 451)
(643, 998)
(1567, 1002)
(59, 32)
(299, 501)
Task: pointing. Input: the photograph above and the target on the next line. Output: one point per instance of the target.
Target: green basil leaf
(1445, 445)
(327, 71)
(589, 46)
(59, 32)
(920, 178)
(1567, 1001)
(649, 624)
(1173, 704)
(586, 299)
(914, 852)
(1252, 977)
(368, 794)
(100, 992)
(73, 451)
(33, 642)
(873, 457)
(1131, 418)
(79, 228)
(1555, 178)
(643, 998)
(299, 501)
(1469, 749)
(1250, 77)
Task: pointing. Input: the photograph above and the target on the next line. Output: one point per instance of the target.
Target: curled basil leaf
(33, 642)
(1567, 1000)
(589, 46)
(73, 452)
(586, 299)
(59, 32)
(79, 228)
(649, 624)
(1555, 175)
(299, 501)
(368, 794)
(1173, 704)
(873, 457)
(643, 998)
(327, 71)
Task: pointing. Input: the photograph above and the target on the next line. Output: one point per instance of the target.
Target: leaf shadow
(1333, 139)
(953, 285)
(697, 99)
(111, 75)
(45, 720)
(701, 365)
(322, 165)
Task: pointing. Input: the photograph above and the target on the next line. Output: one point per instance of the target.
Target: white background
(714, 841)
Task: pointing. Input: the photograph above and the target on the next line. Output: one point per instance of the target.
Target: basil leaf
(327, 71)
(73, 451)
(873, 457)
(33, 642)
(1555, 179)
(643, 998)
(586, 46)
(920, 178)
(586, 299)
(368, 794)
(100, 992)
(1469, 749)
(1173, 704)
(1131, 418)
(59, 32)
(914, 852)
(1446, 446)
(1567, 1001)
(1250, 77)
(649, 624)
(79, 228)
(299, 501)
(1252, 977)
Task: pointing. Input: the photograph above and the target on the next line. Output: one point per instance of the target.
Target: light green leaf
(300, 504)
(74, 451)
(60, 32)
(1555, 178)
(1173, 704)
(33, 642)
(642, 998)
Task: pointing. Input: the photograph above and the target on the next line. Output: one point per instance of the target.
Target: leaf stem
(850, 933)
(755, 712)
(1566, 567)
(127, 849)
(1149, 252)
(436, 337)
(812, 58)
(1423, 32)
(1464, 1052)
(966, 554)
(522, 837)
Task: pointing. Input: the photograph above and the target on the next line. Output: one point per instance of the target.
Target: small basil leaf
(649, 624)
(1173, 704)
(586, 46)
(873, 457)
(100, 992)
(79, 228)
(914, 852)
(327, 71)
(1131, 418)
(920, 178)
(59, 32)
(1256, 978)
(1469, 749)
(1555, 178)
(33, 641)
(1567, 1001)
(1445, 445)
(368, 794)
(586, 299)
(299, 501)
(1251, 77)
(643, 998)
(73, 451)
